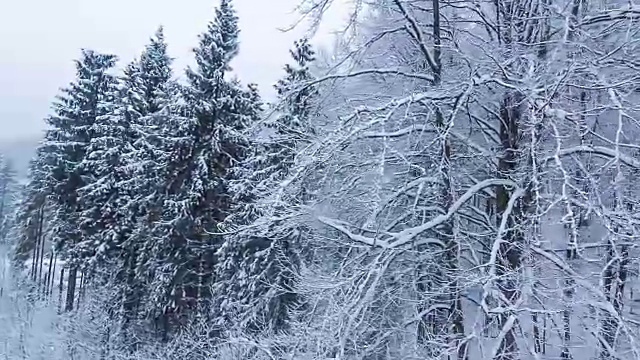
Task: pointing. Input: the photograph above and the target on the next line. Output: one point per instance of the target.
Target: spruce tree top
(155, 70)
(297, 74)
(8, 173)
(79, 103)
(217, 47)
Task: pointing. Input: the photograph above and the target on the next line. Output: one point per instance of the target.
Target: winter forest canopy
(455, 179)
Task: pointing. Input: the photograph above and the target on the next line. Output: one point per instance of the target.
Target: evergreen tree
(72, 127)
(106, 222)
(30, 209)
(296, 99)
(205, 147)
(101, 197)
(121, 143)
(155, 75)
(8, 185)
(258, 263)
(290, 127)
(156, 133)
(127, 156)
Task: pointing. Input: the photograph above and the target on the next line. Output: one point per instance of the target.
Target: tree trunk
(509, 259)
(81, 289)
(42, 241)
(131, 298)
(36, 249)
(71, 288)
(60, 289)
(50, 272)
(615, 278)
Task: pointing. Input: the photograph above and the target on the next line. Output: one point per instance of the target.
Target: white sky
(40, 38)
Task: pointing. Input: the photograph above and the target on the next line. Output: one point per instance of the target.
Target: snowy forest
(452, 179)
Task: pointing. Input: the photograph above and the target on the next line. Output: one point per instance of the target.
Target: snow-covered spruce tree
(105, 222)
(72, 127)
(127, 157)
(257, 266)
(8, 187)
(232, 292)
(289, 128)
(101, 197)
(207, 144)
(296, 100)
(146, 171)
(28, 228)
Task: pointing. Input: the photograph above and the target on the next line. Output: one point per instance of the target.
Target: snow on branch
(424, 128)
(495, 249)
(412, 184)
(629, 13)
(352, 74)
(595, 150)
(396, 240)
(342, 227)
(562, 265)
(408, 235)
(416, 33)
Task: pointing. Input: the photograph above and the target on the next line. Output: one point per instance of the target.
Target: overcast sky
(40, 38)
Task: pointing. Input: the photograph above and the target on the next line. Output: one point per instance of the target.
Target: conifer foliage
(208, 144)
(8, 191)
(456, 181)
(126, 158)
(74, 125)
(143, 196)
(258, 265)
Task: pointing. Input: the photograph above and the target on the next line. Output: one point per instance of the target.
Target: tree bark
(509, 260)
(71, 288)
